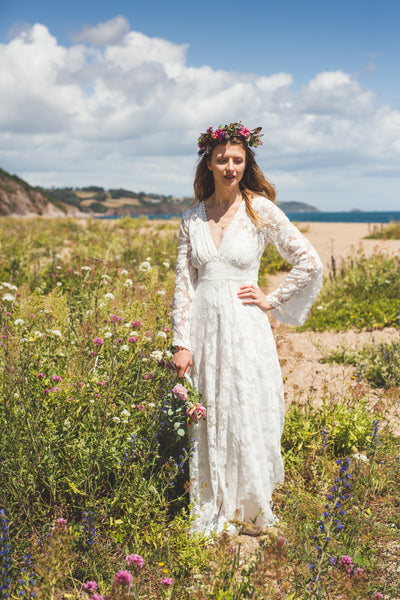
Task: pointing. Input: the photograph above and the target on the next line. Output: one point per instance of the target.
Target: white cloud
(102, 34)
(129, 113)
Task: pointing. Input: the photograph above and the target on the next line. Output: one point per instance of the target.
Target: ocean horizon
(304, 217)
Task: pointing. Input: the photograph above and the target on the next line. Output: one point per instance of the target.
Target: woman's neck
(223, 198)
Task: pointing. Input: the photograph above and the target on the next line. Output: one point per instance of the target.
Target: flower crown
(211, 138)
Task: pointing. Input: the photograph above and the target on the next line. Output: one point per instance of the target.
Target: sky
(116, 93)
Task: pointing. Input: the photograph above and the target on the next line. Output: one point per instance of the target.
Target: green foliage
(385, 232)
(363, 293)
(379, 364)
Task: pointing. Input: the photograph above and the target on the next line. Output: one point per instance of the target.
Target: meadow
(95, 438)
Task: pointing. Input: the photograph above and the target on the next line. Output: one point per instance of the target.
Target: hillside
(20, 199)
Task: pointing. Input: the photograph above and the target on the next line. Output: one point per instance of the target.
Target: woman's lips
(229, 177)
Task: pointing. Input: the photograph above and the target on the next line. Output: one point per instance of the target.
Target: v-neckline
(203, 206)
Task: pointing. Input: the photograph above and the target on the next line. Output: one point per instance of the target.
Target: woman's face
(227, 163)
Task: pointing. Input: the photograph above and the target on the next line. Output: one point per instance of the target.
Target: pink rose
(180, 392)
(196, 412)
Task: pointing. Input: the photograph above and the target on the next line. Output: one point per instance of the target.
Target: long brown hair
(253, 182)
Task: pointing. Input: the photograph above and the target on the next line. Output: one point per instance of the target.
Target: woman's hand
(251, 294)
(182, 360)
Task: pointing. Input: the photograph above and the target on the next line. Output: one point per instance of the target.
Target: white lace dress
(237, 458)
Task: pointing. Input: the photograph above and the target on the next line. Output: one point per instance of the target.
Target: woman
(222, 333)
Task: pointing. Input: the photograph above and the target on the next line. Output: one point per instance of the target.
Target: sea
(319, 217)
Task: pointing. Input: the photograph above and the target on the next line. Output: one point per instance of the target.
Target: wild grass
(93, 465)
(385, 232)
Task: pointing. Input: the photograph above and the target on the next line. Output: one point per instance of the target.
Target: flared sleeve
(293, 299)
(185, 283)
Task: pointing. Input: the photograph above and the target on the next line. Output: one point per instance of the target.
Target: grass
(87, 434)
(385, 232)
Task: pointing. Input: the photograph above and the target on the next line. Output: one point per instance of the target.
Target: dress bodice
(238, 259)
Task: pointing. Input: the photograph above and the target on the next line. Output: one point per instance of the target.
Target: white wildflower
(56, 332)
(156, 355)
(161, 293)
(38, 334)
(116, 420)
(145, 266)
(320, 307)
(59, 283)
(127, 325)
(125, 413)
(106, 277)
(166, 264)
(19, 322)
(58, 268)
(124, 272)
(57, 255)
(109, 296)
(125, 348)
(8, 298)
(89, 312)
(168, 354)
(86, 268)
(101, 304)
(148, 258)
(107, 334)
(151, 404)
(24, 340)
(9, 286)
(359, 456)
(38, 289)
(128, 283)
(144, 359)
(162, 334)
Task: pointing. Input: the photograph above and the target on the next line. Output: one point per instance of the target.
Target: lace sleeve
(293, 299)
(185, 282)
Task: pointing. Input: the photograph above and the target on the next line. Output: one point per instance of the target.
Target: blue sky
(320, 77)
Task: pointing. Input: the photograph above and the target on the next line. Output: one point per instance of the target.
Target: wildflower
(167, 581)
(136, 324)
(9, 286)
(90, 586)
(19, 322)
(282, 541)
(123, 272)
(359, 456)
(145, 266)
(106, 277)
(162, 334)
(101, 383)
(56, 332)
(148, 376)
(180, 392)
(124, 413)
(98, 341)
(128, 283)
(61, 523)
(117, 319)
(161, 293)
(132, 340)
(109, 296)
(347, 561)
(116, 420)
(135, 559)
(140, 407)
(123, 578)
(8, 298)
(166, 264)
(124, 348)
(57, 378)
(55, 390)
(97, 597)
(40, 375)
(156, 355)
(107, 335)
(378, 596)
(86, 268)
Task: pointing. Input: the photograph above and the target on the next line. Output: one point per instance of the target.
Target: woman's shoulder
(266, 208)
(192, 212)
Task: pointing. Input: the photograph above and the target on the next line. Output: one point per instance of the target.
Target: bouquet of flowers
(183, 407)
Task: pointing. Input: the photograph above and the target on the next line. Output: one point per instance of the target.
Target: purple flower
(167, 581)
(148, 376)
(347, 561)
(97, 597)
(136, 324)
(135, 559)
(378, 596)
(117, 319)
(132, 340)
(90, 586)
(123, 578)
(61, 523)
(55, 390)
(57, 378)
(40, 375)
(98, 341)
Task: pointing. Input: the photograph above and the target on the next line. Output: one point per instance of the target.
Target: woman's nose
(230, 165)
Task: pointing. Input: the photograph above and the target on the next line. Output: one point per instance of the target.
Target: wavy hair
(253, 182)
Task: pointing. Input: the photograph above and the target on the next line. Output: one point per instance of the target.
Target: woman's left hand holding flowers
(251, 294)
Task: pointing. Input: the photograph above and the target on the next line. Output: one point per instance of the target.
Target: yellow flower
(165, 570)
(160, 564)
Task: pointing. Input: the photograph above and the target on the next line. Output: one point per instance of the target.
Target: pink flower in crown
(196, 412)
(245, 132)
(220, 134)
(135, 559)
(180, 392)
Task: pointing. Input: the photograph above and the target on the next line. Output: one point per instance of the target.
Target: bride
(222, 333)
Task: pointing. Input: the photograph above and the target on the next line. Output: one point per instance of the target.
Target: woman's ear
(209, 165)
